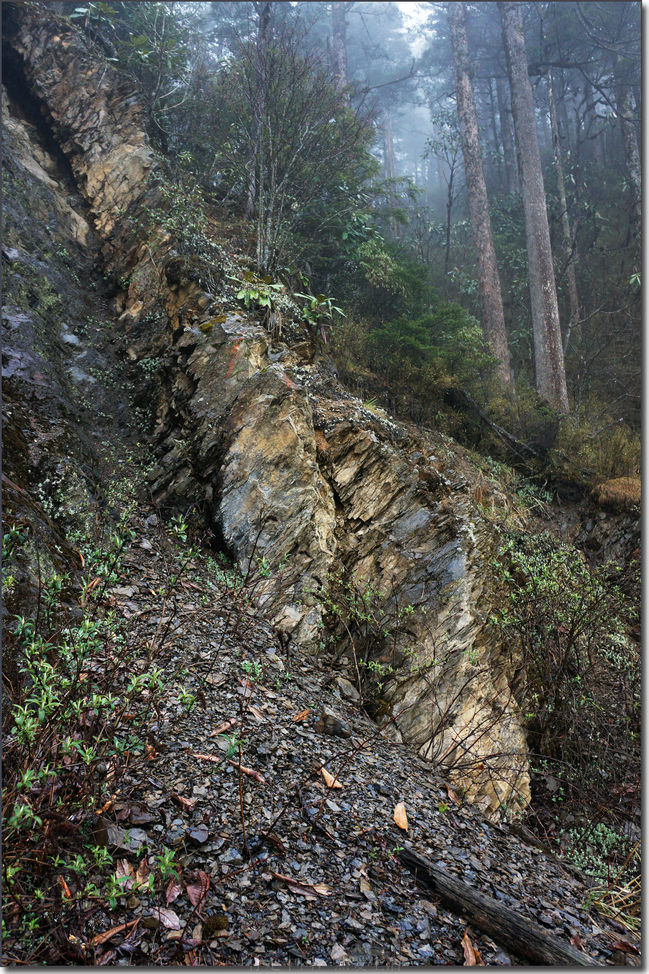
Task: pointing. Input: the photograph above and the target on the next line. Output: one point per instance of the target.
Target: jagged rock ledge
(286, 465)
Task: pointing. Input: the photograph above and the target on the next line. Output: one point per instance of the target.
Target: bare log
(507, 927)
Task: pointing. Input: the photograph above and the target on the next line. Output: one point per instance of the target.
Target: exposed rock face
(287, 466)
(93, 114)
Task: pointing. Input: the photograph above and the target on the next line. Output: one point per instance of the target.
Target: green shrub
(577, 677)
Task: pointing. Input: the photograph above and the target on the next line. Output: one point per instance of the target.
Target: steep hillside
(266, 563)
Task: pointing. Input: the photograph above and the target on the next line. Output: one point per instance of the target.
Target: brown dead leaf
(167, 918)
(306, 889)
(222, 728)
(452, 795)
(303, 714)
(188, 585)
(400, 817)
(64, 886)
(198, 892)
(106, 958)
(101, 938)
(625, 947)
(472, 956)
(174, 889)
(186, 803)
(206, 757)
(142, 873)
(330, 781)
(249, 771)
(124, 871)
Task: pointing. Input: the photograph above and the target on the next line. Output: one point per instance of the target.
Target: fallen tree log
(500, 922)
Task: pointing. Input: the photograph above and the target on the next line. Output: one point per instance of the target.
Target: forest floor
(242, 810)
(254, 858)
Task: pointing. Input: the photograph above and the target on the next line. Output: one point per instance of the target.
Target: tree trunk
(568, 242)
(506, 926)
(509, 150)
(495, 166)
(389, 164)
(592, 127)
(548, 351)
(493, 318)
(631, 158)
(254, 161)
(339, 44)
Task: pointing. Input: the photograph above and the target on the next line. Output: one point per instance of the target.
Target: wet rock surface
(288, 468)
(315, 881)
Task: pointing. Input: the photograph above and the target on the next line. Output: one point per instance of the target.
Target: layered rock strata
(297, 477)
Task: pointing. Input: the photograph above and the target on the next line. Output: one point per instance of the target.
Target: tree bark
(548, 350)
(631, 158)
(389, 163)
(254, 162)
(493, 318)
(339, 44)
(568, 242)
(509, 150)
(507, 927)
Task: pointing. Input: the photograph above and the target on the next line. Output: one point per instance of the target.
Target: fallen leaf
(167, 918)
(142, 873)
(197, 588)
(124, 871)
(306, 889)
(330, 781)
(198, 892)
(174, 889)
(186, 803)
(400, 817)
(452, 795)
(101, 938)
(625, 947)
(222, 728)
(249, 771)
(256, 712)
(64, 886)
(206, 757)
(106, 958)
(472, 956)
(303, 714)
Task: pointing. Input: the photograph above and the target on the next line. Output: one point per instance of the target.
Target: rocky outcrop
(296, 476)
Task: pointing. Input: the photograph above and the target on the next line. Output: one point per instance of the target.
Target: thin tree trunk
(509, 150)
(568, 243)
(493, 318)
(594, 136)
(449, 210)
(265, 10)
(339, 43)
(497, 166)
(389, 163)
(548, 350)
(631, 157)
